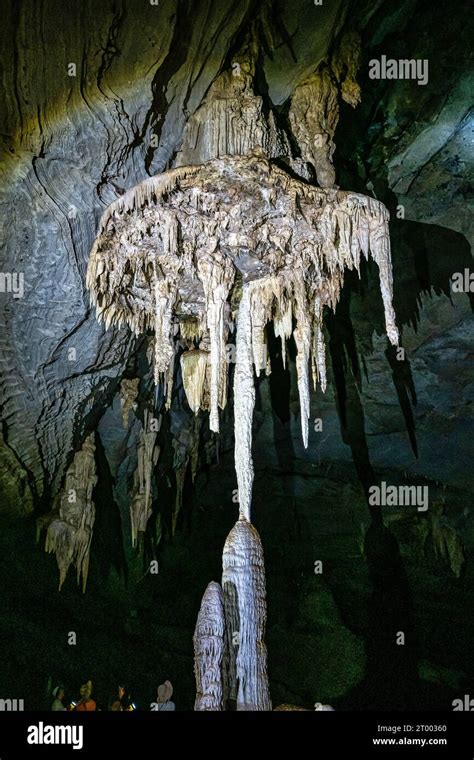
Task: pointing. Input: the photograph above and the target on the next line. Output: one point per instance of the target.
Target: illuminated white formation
(234, 239)
(209, 650)
(169, 254)
(69, 534)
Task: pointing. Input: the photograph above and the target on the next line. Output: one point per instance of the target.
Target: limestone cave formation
(236, 352)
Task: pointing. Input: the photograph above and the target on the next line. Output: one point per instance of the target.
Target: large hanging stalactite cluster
(168, 253)
(172, 252)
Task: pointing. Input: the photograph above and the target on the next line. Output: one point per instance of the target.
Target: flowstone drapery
(232, 120)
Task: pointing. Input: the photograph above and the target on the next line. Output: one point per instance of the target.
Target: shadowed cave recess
(231, 319)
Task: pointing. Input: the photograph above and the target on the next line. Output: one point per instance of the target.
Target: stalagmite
(69, 536)
(209, 650)
(243, 583)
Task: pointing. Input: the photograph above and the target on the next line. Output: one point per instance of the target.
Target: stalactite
(179, 254)
(165, 292)
(446, 541)
(216, 274)
(180, 473)
(193, 371)
(314, 109)
(302, 336)
(319, 348)
(194, 451)
(169, 378)
(69, 535)
(209, 650)
(244, 402)
(190, 329)
(283, 324)
(142, 492)
(128, 396)
(232, 120)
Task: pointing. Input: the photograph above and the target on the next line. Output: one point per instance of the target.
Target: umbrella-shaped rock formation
(191, 251)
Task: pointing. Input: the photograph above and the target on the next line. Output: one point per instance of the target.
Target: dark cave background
(331, 637)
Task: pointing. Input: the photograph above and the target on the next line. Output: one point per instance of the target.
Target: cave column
(245, 678)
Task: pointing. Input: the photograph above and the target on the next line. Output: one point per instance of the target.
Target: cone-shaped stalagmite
(243, 582)
(209, 650)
